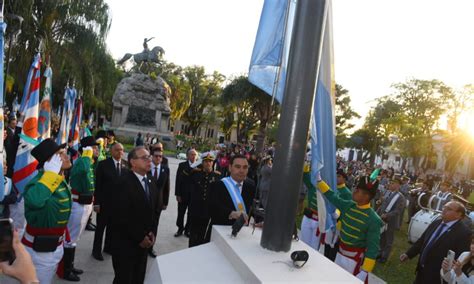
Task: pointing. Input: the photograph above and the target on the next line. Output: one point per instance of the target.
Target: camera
(6, 240)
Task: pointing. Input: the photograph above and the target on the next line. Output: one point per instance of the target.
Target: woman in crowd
(462, 271)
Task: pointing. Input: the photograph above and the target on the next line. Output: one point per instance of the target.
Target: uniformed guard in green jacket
(310, 221)
(82, 184)
(360, 228)
(47, 209)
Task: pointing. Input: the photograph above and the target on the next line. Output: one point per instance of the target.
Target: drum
(419, 222)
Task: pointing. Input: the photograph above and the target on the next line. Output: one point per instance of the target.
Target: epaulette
(195, 170)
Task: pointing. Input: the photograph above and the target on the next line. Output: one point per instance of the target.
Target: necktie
(431, 241)
(147, 191)
(239, 185)
(155, 174)
(118, 168)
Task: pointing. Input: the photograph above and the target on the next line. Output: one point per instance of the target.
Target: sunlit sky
(376, 42)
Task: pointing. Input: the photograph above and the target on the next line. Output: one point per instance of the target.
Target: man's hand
(54, 164)
(236, 214)
(178, 198)
(164, 207)
(22, 268)
(152, 238)
(146, 242)
(445, 265)
(403, 257)
(96, 208)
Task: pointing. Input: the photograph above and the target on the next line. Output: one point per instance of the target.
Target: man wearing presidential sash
(232, 196)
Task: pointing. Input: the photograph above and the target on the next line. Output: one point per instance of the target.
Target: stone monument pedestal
(141, 104)
(243, 260)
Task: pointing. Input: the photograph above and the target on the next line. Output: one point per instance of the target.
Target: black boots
(68, 261)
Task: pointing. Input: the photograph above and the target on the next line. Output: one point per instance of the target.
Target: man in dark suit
(11, 144)
(183, 191)
(161, 177)
(160, 147)
(224, 210)
(133, 219)
(449, 233)
(107, 176)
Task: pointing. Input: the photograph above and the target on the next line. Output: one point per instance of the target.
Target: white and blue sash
(235, 194)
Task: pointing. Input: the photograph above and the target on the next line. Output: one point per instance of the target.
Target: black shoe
(98, 256)
(186, 234)
(70, 276)
(152, 253)
(77, 271)
(90, 227)
(179, 233)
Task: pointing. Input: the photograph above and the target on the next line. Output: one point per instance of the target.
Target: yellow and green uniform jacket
(312, 199)
(344, 192)
(360, 225)
(48, 202)
(82, 176)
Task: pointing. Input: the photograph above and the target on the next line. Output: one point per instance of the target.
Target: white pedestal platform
(243, 260)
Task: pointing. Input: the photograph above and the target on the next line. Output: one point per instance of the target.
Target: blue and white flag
(3, 27)
(272, 45)
(268, 72)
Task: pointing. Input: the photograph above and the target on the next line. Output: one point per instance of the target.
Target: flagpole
(299, 94)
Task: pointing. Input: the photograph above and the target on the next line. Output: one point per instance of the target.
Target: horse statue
(154, 55)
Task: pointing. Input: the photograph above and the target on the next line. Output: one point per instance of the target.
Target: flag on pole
(74, 134)
(44, 120)
(67, 115)
(25, 165)
(3, 27)
(268, 72)
(272, 46)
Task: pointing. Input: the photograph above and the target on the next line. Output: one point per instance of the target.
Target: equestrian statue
(146, 56)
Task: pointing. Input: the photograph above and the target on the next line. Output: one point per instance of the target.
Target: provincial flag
(25, 165)
(44, 120)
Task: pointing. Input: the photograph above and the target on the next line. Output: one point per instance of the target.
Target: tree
(344, 114)
(205, 90)
(253, 107)
(73, 33)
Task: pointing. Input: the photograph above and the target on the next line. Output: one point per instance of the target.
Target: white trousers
(46, 263)
(77, 222)
(308, 232)
(17, 213)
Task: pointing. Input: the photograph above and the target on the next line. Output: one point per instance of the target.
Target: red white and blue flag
(25, 165)
(74, 135)
(67, 115)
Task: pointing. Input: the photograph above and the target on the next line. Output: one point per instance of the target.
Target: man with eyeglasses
(161, 177)
(134, 215)
(448, 233)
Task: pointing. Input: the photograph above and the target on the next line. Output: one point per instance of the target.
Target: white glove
(362, 275)
(318, 177)
(54, 164)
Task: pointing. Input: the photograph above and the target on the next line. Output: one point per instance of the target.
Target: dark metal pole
(300, 86)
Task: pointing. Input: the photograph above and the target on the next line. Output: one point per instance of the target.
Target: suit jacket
(133, 214)
(106, 182)
(393, 215)
(221, 203)
(183, 181)
(457, 239)
(162, 184)
(11, 146)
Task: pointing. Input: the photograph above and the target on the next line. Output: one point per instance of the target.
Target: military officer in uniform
(83, 186)
(201, 180)
(47, 208)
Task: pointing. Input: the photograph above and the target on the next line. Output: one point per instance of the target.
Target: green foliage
(73, 36)
(205, 90)
(344, 114)
(253, 107)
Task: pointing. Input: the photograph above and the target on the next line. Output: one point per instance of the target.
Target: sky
(376, 42)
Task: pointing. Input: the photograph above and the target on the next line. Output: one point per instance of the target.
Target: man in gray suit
(392, 207)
